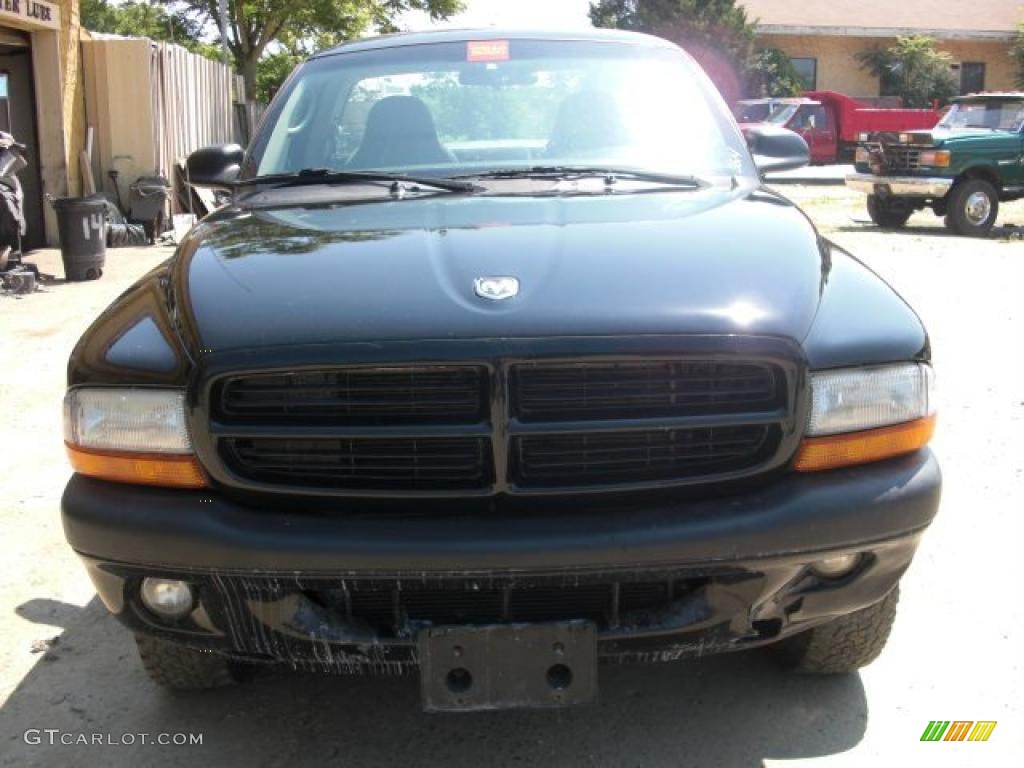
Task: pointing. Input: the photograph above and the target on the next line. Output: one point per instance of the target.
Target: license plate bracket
(508, 666)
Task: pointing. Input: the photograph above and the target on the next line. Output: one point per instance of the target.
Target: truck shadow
(1001, 232)
(734, 710)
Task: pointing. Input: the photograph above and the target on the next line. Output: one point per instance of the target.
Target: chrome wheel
(977, 208)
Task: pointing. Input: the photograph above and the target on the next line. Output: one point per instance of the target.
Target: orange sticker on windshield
(487, 50)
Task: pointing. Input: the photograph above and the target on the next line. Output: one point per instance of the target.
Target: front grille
(386, 606)
(360, 464)
(588, 391)
(641, 455)
(902, 158)
(495, 427)
(386, 395)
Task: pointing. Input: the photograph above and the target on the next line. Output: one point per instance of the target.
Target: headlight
(863, 398)
(867, 414)
(131, 435)
(147, 420)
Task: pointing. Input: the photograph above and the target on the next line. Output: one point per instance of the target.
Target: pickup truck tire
(183, 669)
(842, 645)
(888, 213)
(972, 207)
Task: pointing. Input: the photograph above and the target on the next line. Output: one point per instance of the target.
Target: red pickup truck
(832, 123)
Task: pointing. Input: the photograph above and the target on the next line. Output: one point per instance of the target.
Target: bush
(771, 73)
(913, 69)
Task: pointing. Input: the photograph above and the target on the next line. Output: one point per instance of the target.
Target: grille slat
(593, 391)
(359, 396)
(356, 464)
(643, 455)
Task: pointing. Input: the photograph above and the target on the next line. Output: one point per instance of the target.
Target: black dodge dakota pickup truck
(500, 363)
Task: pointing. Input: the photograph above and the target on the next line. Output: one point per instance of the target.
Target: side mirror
(777, 149)
(215, 166)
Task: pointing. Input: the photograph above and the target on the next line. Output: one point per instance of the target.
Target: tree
(772, 74)
(140, 19)
(254, 25)
(913, 69)
(273, 69)
(717, 33)
(1018, 54)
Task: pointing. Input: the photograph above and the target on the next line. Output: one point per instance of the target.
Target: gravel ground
(955, 652)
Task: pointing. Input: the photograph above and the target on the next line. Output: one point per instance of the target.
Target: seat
(399, 131)
(587, 122)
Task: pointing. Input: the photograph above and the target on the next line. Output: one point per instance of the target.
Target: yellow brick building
(822, 37)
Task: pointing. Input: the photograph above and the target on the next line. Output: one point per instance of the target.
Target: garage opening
(18, 118)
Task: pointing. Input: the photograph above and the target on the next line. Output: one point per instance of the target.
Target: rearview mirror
(777, 149)
(215, 166)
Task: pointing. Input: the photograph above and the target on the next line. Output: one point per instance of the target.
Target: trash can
(148, 197)
(82, 226)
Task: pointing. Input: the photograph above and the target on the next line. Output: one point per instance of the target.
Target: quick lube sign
(29, 13)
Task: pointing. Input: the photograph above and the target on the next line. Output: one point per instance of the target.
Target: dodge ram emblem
(496, 288)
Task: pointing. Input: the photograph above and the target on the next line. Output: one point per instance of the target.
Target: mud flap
(508, 666)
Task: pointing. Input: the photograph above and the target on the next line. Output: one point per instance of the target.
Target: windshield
(458, 109)
(782, 115)
(993, 115)
(752, 112)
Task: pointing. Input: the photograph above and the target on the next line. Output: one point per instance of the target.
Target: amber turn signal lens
(937, 159)
(844, 450)
(168, 470)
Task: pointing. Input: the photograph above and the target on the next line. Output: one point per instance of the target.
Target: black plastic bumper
(799, 513)
(282, 586)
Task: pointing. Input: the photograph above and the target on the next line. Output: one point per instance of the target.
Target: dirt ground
(955, 652)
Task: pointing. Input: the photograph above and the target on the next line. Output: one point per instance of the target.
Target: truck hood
(714, 261)
(940, 137)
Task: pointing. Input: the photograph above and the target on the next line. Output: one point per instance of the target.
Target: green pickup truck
(961, 169)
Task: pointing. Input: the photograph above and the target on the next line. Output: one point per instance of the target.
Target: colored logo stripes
(958, 730)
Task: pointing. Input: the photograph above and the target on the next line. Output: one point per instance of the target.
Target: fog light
(167, 598)
(834, 567)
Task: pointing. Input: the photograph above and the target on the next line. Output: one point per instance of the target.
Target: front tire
(844, 644)
(972, 208)
(888, 213)
(184, 669)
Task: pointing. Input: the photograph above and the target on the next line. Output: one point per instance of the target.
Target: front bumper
(899, 186)
(670, 579)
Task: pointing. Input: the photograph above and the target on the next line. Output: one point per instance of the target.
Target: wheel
(844, 644)
(972, 208)
(184, 669)
(888, 213)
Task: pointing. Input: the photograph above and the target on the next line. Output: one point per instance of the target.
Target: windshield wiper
(610, 174)
(398, 181)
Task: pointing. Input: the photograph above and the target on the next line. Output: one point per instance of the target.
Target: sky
(553, 14)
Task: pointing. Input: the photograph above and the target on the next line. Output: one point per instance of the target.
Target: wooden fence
(151, 104)
(193, 104)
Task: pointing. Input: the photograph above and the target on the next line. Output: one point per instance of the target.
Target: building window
(972, 77)
(807, 70)
(891, 85)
